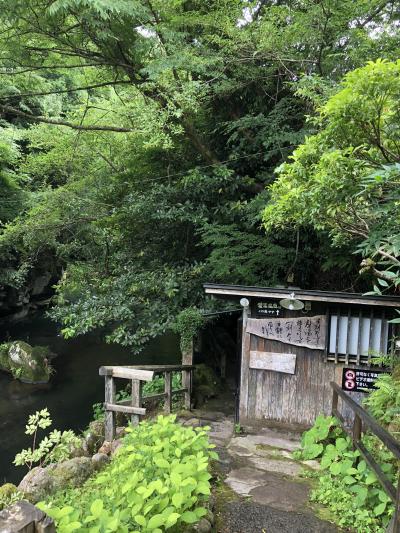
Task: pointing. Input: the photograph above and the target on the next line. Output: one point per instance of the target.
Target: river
(73, 389)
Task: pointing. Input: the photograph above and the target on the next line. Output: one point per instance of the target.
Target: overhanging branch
(62, 91)
(55, 122)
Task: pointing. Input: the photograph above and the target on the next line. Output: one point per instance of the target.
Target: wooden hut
(289, 357)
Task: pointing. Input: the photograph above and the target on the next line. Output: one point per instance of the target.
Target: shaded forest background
(147, 147)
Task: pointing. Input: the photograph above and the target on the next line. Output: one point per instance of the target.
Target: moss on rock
(26, 363)
(9, 494)
(7, 490)
(71, 473)
(206, 384)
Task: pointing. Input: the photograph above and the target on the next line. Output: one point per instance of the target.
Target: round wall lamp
(291, 303)
(244, 302)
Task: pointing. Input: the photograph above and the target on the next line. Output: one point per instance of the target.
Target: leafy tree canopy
(345, 179)
(139, 137)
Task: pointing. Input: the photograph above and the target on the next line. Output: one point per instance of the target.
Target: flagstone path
(261, 490)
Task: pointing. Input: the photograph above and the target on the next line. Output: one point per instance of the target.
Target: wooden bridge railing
(134, 406)
(363, 418)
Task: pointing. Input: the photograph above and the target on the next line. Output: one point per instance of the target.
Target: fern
(384, 401)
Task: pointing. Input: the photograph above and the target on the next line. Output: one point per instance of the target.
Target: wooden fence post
(357, 428)
(396, 517)
(335, 399)
(244, 363)
(168, 392)
(136, 399)
(188, 384)
(109, 397)
(187, 359)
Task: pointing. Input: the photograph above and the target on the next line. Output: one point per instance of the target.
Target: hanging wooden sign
(277, 362)
(309, 331)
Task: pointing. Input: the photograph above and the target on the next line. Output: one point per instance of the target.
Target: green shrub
(384, 402)
(187, 325)
(158, 480)
(313, 441)
(346, 485)
(157, 385)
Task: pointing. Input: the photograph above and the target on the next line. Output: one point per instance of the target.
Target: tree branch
(378, 10)
(62, 91)
(54, 122)
(388, 256)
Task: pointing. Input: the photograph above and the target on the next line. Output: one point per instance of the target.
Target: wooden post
(245, 361)
(357, 427)
(168, 392)
(396, 519)
(136, 399)
(187, 355)
(223, 364)
(188, 384)
(187, 359)
(109, 396)
(335, 399)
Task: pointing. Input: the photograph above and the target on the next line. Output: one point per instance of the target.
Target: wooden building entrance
(289, 357)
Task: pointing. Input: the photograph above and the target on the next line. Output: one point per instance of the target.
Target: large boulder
(26, 363)
(37, 483)
(23, 517)
(40, 482)
(100, 460)
(71, 473)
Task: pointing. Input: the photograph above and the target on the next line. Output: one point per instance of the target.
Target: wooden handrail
(159, 368)
(361, 416)
(388, 440)
(126, 372)
(137, 374)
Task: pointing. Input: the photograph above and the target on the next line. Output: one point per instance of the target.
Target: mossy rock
(94, 437)
(205, 375)
(7, 490)
(42, 481)
(206, 384)
(4, 359)
(71, 473)
(9, 494)
(27, 363)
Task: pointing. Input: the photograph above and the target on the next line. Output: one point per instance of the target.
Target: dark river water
(74, 388)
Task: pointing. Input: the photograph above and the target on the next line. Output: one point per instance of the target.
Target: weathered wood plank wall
(290, 399)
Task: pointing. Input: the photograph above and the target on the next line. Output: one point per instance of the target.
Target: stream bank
(73, 389)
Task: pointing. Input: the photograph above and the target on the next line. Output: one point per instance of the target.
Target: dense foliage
(158, 480)
(384, 401)
(348, 487)
(137, 138)
(346, 484)
(345, 179)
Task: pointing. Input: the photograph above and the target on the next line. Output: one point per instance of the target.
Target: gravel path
(248, 517)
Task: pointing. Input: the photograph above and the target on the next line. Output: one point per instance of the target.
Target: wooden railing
(137, 375)
(362, 420)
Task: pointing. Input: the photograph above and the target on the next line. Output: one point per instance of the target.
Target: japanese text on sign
(358, 380)
(269, 309)
(302, 331)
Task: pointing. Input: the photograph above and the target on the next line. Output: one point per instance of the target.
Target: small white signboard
(277, 362)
